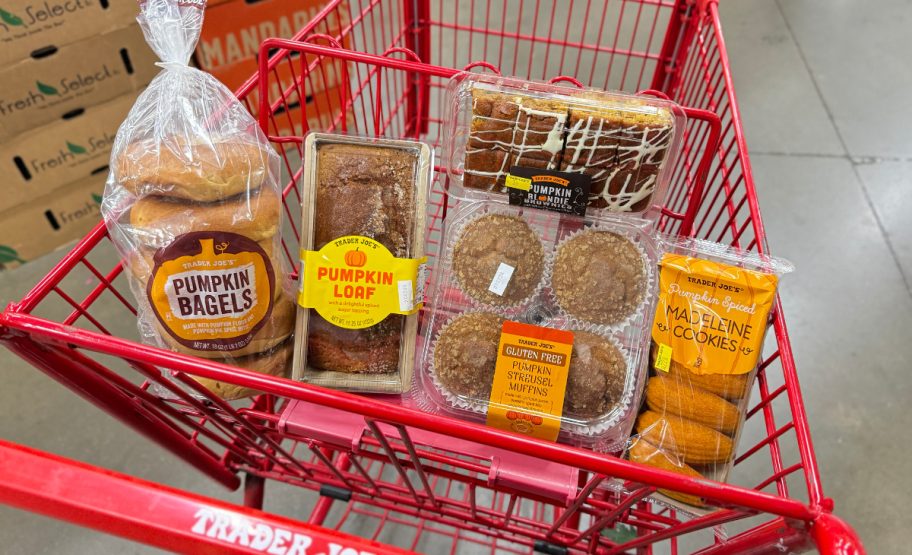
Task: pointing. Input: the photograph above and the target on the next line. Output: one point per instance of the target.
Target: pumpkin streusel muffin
(466, 353)
(599, 277)
(490, 241)
(595, 381)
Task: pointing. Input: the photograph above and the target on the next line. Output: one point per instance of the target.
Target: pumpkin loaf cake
(361, 190)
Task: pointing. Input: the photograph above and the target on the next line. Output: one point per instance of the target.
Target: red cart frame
(440, 477)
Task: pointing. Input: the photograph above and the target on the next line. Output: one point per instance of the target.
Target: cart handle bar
(266, 64)
(729, 495)
(158, 515)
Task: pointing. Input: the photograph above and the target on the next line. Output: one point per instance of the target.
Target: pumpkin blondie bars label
(564, 192)
(711, 315)
(530, 378)
(212, 290)
(355, 282)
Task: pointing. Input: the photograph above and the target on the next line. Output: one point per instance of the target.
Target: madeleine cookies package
(711, 318)
(539, 323)
(499, 127)
(362, 269)
(193, 205)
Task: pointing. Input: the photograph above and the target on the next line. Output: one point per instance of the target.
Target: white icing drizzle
(646, 150)
(628, 156)
(554, 143)
(624, 200)
(580, 144)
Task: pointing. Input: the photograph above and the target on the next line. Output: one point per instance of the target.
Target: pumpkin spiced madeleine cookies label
(530, 378)
(212, 290)
(355, 282)
(711, 317)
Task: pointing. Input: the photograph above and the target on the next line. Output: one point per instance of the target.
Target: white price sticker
(501, 279)
(405, 295)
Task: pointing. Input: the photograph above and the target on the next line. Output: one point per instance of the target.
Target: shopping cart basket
(379, 67)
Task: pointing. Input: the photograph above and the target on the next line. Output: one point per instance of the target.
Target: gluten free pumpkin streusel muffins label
(355, 282)
(711, 317)
(530, 379)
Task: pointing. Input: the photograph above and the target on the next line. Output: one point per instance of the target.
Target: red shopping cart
(379, 67)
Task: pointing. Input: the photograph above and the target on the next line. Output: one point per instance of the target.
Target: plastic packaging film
(193, 205)
(711, 318)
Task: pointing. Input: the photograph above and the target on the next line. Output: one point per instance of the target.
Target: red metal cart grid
(468, 484)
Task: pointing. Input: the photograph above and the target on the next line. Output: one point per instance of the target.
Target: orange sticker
(211, 290)
(711, 315)
(530, 378)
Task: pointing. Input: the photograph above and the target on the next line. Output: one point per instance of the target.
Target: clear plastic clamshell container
(627, 144)
(592, 276)
(363, 188)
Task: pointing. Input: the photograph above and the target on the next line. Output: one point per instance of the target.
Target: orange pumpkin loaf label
(355, 282)
(711, 317)
(530, 378)
(212, 290)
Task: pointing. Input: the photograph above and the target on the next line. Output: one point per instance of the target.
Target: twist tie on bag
(173, 66)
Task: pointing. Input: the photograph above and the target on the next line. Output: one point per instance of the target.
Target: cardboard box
(50, 222)
(35, 27)
(40, 161)
(36, 92)
(232, 31)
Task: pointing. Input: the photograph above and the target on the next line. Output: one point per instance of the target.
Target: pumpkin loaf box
(362, 267)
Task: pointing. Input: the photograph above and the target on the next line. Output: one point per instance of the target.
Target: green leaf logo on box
(12, 19)
(8, 255)
(76, 149)
(46, 89)
(96, 198)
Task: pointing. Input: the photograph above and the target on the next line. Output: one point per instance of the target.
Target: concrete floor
(823, 88)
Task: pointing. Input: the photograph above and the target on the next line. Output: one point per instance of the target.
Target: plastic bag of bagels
(711, 319)
(194, 207)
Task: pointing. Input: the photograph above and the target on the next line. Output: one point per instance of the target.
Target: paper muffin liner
(605, 421)
(585, 325)
(453, 236)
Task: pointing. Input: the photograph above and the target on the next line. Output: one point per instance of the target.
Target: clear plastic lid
(627, 144)
(555, 264)
(371, 189)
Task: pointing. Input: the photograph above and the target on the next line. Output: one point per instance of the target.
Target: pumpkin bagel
(158, 220)
(202, 171)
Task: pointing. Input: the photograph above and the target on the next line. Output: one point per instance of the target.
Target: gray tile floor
(823, 88)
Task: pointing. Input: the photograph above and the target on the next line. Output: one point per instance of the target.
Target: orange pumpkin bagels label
(212, 290)
(355, 282)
